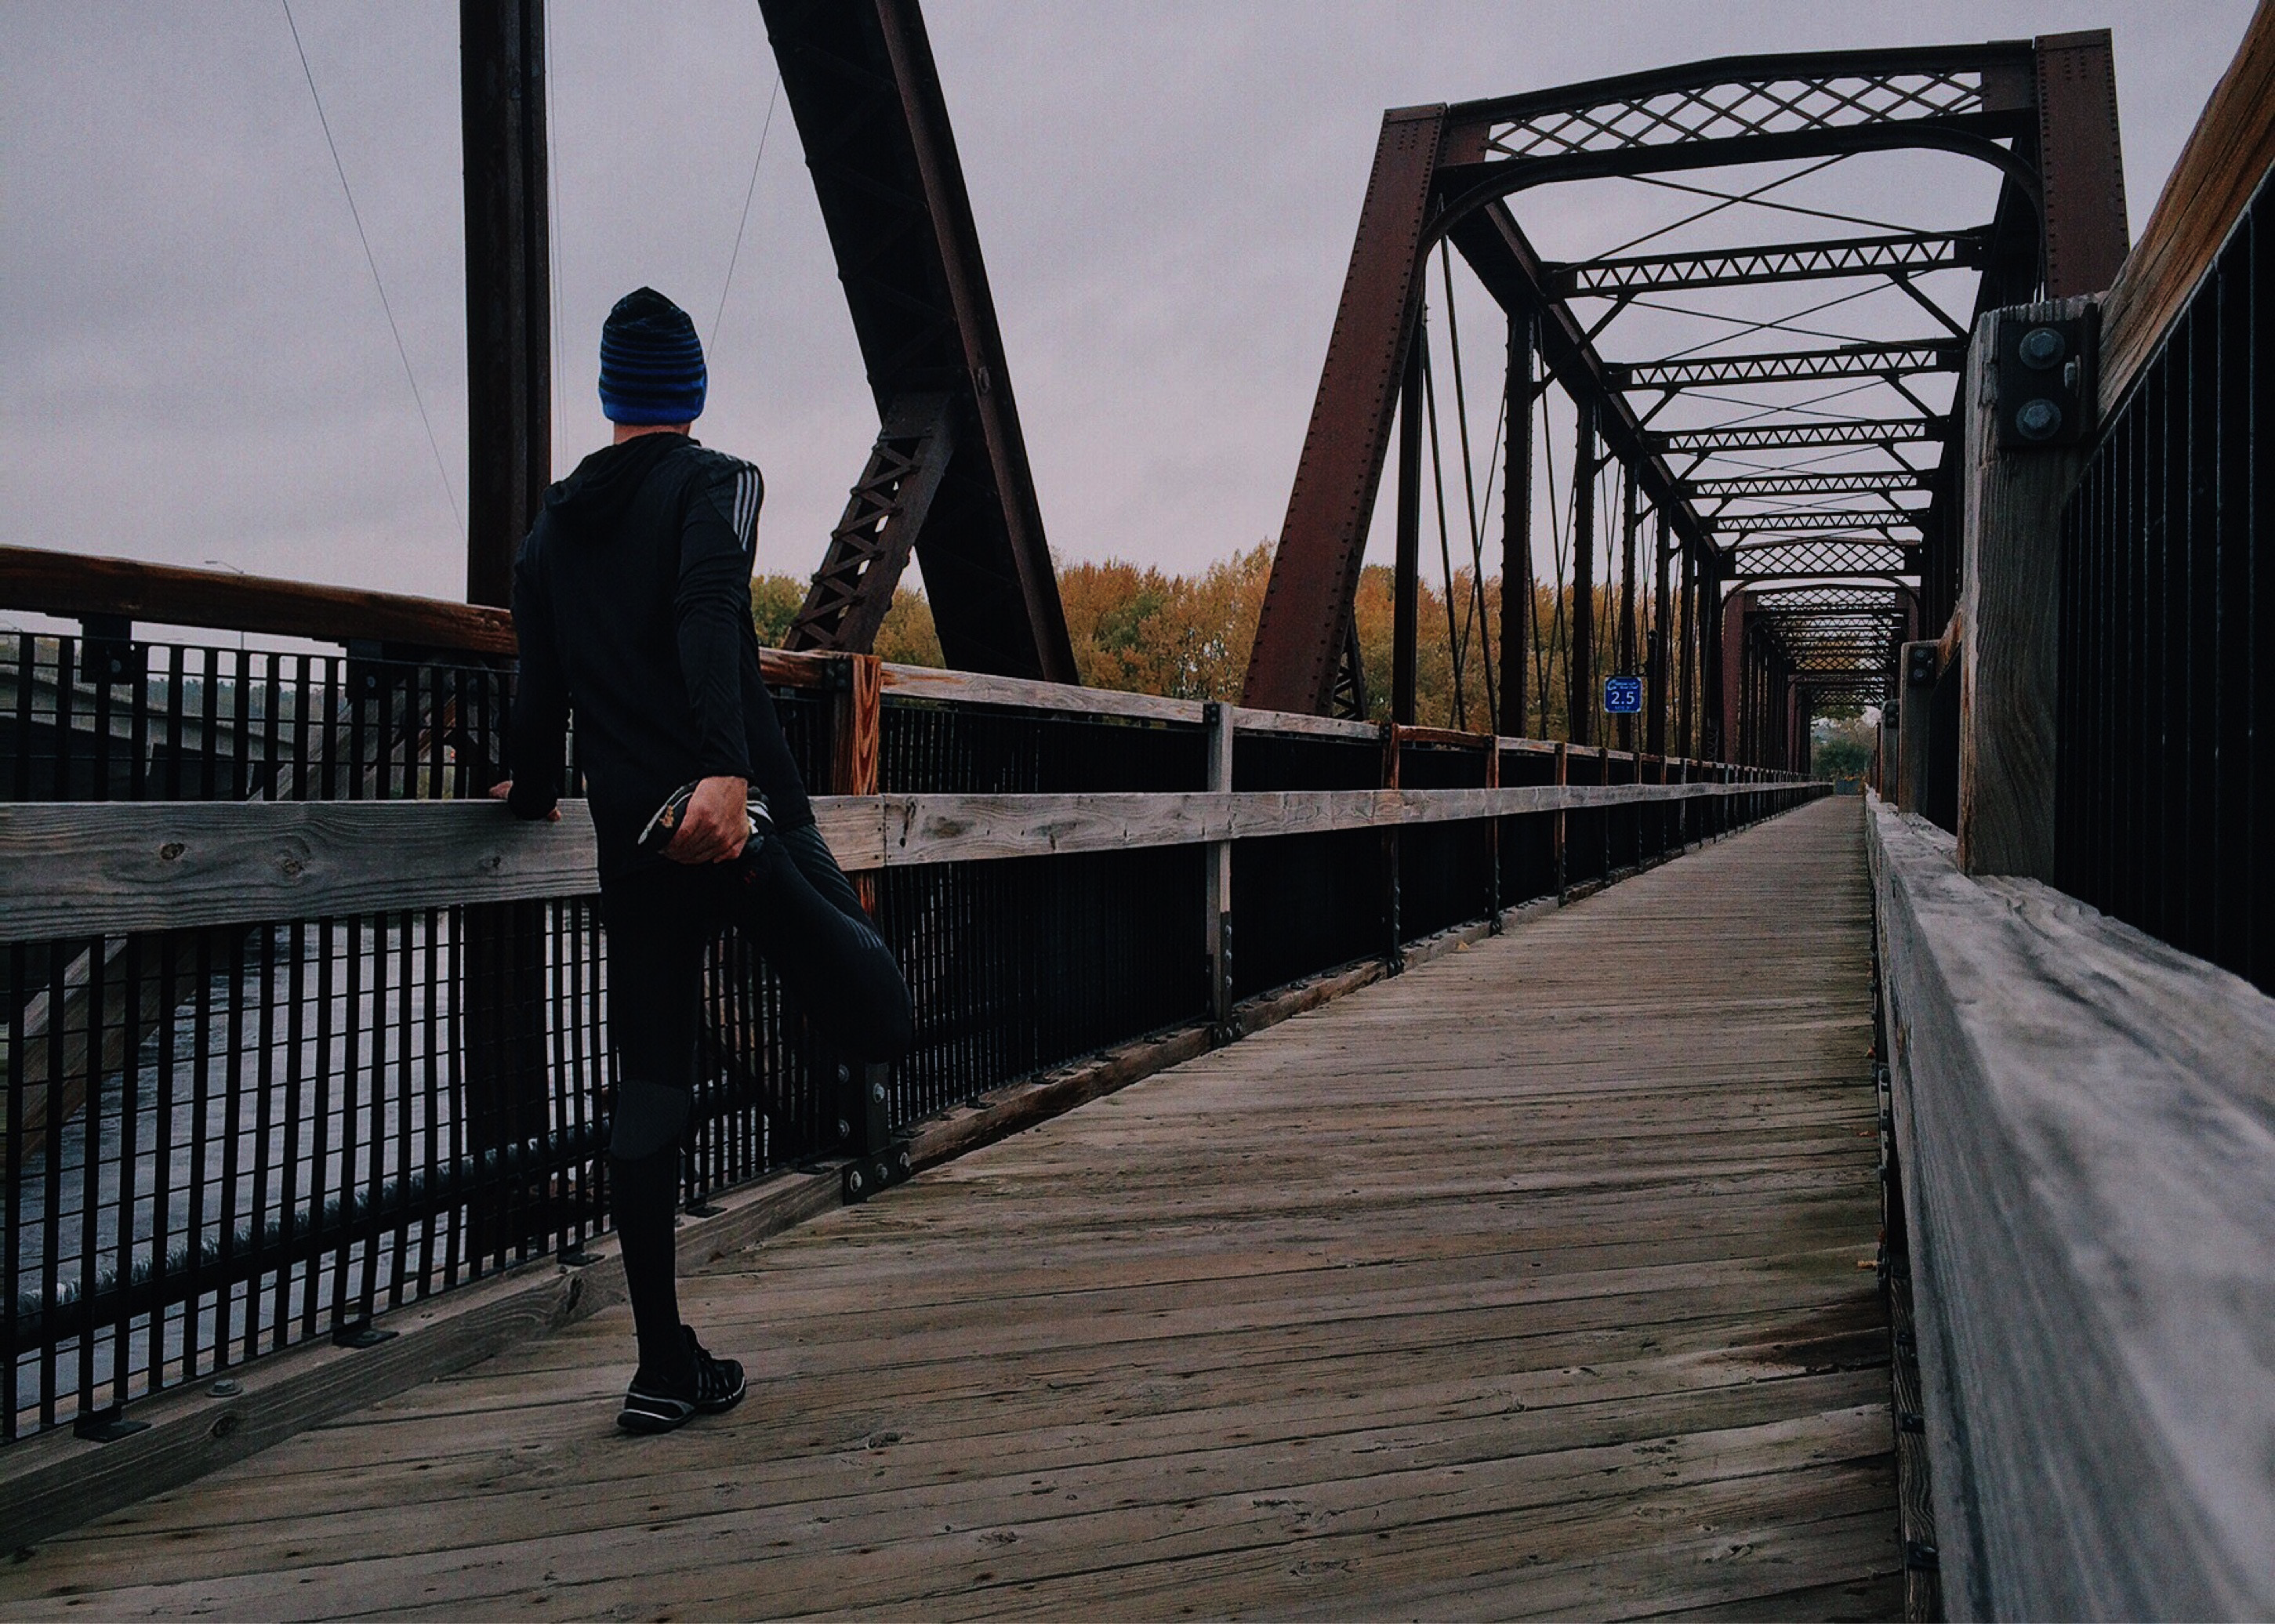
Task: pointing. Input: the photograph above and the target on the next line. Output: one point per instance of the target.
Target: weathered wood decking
(1534, 1281)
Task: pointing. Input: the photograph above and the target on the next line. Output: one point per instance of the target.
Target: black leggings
(788, 898)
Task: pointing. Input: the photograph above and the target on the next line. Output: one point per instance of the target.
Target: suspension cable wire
(1747, 326)
(749, 192)
(1476, 593)
(1483, 616)
(1536, 433)
(1755, 408)
(1798, 464)
(355, 213)
(1445, 547)
(1789, 209)
(1728, 201)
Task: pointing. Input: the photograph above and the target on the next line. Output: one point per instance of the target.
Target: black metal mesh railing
(224, 1140)
(1303, 903)
(2166, 692)
(1445, 869)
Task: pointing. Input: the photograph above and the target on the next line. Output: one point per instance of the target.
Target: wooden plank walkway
(1535, 1281)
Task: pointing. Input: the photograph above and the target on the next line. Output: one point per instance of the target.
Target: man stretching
(632, 599)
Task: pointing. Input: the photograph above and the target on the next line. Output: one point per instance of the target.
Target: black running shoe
(654, 1406)
(665, 823)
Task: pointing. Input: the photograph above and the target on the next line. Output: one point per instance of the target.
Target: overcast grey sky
(194, 364)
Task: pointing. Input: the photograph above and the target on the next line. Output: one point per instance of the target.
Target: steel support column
(1655, 732)
(1730, 644)
(1406, 589)
(508, 464)
(2082, 162)
(1580, 663)
(508, 272)
(1630, 521)
(1516, 526)
(1686, 678)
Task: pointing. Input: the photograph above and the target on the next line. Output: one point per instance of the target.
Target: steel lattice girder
(1846, 629)
(1798, 437)
(1879, 360)
(1738, 96)
(862, 86)
(1803, 484)
(1910, 254)
(1815, 558)
(1831, 601)
(1827, 522)
(853, 588)
(1830, 644)
(1748, 109)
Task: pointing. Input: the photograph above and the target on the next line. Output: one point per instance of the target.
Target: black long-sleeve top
(632, 601)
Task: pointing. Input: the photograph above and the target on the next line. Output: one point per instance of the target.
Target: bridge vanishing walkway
(1534, 1281)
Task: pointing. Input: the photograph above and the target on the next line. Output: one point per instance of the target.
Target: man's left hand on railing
(503, 788)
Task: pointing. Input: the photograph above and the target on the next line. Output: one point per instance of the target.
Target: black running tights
(787, 897)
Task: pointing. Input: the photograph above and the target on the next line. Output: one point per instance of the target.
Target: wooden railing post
(1394, 949)
(1217, 878)
(857, 739)
(864, 1091)
(1664, 824)
(1493, 841)
(1563, 777)
(1603, 818)
(2009, 590)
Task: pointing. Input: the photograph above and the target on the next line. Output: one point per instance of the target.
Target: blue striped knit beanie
(651, 362)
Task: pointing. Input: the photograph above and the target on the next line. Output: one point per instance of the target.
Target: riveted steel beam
(863, 88)
(2086, 233)
(1302, 633)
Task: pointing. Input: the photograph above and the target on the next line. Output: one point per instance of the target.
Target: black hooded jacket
(632, 600)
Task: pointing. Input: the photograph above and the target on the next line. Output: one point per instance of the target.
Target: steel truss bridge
(1709, 441)
(1683, 1187)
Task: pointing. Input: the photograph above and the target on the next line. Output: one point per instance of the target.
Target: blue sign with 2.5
(1624, 695)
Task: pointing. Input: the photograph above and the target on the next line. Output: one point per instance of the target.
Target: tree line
(1141, 629)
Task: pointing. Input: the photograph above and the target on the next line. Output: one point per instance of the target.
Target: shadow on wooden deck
(1537, 1280)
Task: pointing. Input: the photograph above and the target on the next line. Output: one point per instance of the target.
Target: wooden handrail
(76, 586)
(73, 585)
(78, 869)
(2081, 1124)
(2228, 154)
